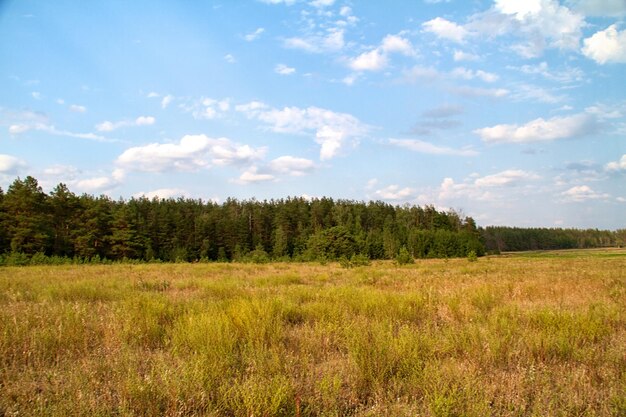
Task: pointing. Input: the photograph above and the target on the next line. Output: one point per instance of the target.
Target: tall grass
(510, 336)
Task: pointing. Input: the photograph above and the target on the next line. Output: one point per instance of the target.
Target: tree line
(85, 227)
(502, 238)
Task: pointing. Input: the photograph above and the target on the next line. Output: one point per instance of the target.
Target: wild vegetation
(496, 336)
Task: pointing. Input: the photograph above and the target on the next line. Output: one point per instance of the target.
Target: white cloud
(582, 193)
(378, 58)
(19, 128)
(332, 130)
(607, 46)
(332, 40)
(466, 91)
(289, 165)
(285, 2)
(487, 188)
(540, 24)
(251, 175)
(96, 184)
(108, 126)
(464, 56)
(395, 192)
(429, 148)
(468, 74)
(547, 19)
(191, 153)
(11, 165)
(446, 29)
(617, 166)
(397, 44)
(505, 178)
(153, 94)
(254, 35)
(283, 69)
(162, 193)
(206, 108)
(322, 3)
(230, 58)
(374, 60)
(36, 95)
(145, 121)
(77, 109)
(166, 101)
(540, 129)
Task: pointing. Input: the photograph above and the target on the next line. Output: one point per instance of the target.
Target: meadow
(532, 334)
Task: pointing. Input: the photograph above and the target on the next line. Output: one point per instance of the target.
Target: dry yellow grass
(524, 335)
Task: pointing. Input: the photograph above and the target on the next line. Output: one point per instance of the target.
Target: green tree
(27, 220)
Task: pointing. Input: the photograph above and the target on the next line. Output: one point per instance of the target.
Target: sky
(512, 112)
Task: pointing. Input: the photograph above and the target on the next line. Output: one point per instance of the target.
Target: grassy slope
(509, 336)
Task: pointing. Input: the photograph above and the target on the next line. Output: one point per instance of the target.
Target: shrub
(471, 256)
(404, 257)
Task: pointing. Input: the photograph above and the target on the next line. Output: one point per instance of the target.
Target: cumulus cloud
(96, 184)
(582, 193)
(617, 166)
(333, 131)
(378, 58)
(252, 175)
(606, 46)
(429, 148)
(230, 58)
(165, 101)
(487, 188)
(191, 153)
(540, 129)
(283, 69)
(540, 24)
(445, 29)
(11, 165)
(289, 165)
(395, 192)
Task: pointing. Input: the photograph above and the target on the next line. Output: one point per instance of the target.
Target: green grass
(504, 336)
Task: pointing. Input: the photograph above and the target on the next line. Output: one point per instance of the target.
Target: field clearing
(516, 335)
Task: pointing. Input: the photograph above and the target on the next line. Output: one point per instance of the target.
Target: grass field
(516, 335)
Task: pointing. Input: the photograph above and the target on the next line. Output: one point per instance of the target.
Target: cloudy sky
(513, 112)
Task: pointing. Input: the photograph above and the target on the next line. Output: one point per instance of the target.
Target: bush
(404, 257)
(471, 256)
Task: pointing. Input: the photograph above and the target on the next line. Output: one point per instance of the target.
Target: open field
(503, 336)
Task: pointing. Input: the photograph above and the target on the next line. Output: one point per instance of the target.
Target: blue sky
(512, 112)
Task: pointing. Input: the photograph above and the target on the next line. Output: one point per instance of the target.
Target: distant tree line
(64, 225)
(500, 238)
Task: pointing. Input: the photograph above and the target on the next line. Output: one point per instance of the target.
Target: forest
(83, 227)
